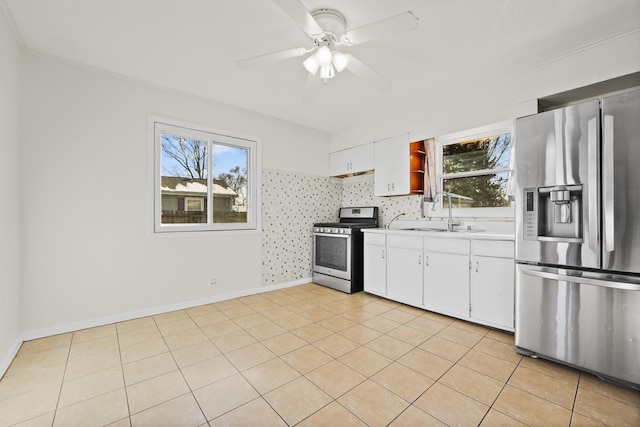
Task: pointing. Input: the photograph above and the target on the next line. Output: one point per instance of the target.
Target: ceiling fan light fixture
(327, 72)
(311, 64)
(340, 60)
(324, 56)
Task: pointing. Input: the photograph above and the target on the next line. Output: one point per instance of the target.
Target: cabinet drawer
(452, 246)
(493, 248)
(375, 239)
(405, 242)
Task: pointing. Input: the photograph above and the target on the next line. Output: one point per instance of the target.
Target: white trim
(479, 132)
(8, 358)
(107, 320)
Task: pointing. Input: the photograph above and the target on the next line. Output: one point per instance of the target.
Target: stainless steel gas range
(338, 249)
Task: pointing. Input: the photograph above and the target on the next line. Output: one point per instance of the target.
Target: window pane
(230, 183)
(183, 164)
(486, 191)
(478, 154)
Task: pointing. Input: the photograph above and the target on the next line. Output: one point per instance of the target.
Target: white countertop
(470, 235)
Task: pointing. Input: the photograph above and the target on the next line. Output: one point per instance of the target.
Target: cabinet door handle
(426, 261)
(477, 266)
(383, 254)
(419, 259)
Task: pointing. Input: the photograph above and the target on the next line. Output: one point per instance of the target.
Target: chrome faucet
(394, 218)
(450, 223)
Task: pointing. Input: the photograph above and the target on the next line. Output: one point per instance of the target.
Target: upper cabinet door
(392, 166)
(351, 161)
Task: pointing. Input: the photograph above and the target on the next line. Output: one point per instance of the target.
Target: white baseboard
(8, 358)
(106, 320)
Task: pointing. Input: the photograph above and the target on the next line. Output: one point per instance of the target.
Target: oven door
(332, 255)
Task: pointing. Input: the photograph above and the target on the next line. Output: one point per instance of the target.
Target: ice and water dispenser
(553, 213)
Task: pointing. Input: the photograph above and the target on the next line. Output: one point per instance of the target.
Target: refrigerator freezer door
(588, 320)
(621, 182)
(557, 186)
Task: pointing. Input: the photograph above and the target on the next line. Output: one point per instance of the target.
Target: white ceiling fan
(327, 29)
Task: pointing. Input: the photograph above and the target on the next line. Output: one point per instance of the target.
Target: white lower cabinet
(375, 264)
(404, 269)
(446, 283)
(491, 288)
(464, 278)
(446, 276)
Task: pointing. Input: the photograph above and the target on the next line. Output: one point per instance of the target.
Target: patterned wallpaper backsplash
(292, 202)
(361, 194)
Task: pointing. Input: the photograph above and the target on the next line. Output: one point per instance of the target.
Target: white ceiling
(192, 46)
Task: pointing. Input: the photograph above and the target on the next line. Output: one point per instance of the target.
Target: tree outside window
(478, 169)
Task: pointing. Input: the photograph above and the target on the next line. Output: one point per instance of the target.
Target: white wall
(10, 329)
(505, 97)
(87, 249)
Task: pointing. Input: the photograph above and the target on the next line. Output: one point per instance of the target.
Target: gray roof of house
(195, 186)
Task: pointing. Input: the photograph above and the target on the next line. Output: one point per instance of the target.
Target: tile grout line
(260, 395)
(64, 373)
(191, 391)
(124, 382)
(504, 386)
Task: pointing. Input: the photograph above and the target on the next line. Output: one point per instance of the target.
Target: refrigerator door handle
(628, 286)
(593, 183)
(608, 183)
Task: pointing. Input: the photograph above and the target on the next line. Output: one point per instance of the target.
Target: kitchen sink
(444, 230)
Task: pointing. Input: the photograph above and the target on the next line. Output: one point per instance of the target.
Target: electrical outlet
(213, 282)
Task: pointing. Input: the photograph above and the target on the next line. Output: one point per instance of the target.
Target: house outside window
(476, 168)
(203, 179)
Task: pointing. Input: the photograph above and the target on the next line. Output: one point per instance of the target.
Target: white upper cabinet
(392, 166)
(351, 161)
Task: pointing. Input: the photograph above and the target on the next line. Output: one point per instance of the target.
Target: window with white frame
(475, 167)
(203, 179)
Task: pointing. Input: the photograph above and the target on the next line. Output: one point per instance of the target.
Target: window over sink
(477, 166)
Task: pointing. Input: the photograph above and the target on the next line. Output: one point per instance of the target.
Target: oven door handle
(344, 236)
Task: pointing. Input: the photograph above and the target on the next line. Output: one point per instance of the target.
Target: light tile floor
(303, 356)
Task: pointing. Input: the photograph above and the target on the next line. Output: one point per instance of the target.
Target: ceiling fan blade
(311, 88)
(272, 57)
(300, 15)
(401, 23)
(362, 71)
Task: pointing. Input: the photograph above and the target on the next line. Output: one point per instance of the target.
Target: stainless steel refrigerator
(578, 236)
